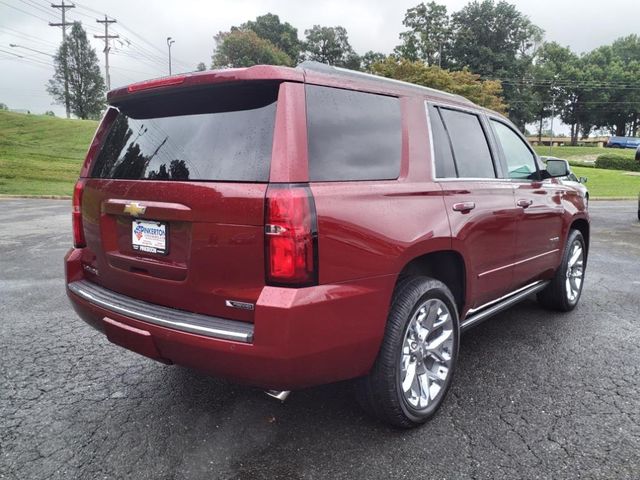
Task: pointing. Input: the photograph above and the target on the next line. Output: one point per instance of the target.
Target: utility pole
(106, 38)
(170, 42)
(64, 7)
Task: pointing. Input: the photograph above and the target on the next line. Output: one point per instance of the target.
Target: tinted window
(441, 146)
(520, 160)
(213, 134)
(352, 135)
(470, 148)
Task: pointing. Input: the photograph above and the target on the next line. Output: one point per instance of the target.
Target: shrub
(612, 161)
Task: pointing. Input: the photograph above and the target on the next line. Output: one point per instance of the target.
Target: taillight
(291, 246)
(76, 215)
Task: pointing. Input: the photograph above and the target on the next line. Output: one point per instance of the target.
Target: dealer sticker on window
(149, 236)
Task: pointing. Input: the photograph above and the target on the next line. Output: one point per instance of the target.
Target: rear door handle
(464, 206)
(524, 203)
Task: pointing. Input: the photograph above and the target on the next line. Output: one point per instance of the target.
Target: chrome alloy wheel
(427, 350)
(575, 271)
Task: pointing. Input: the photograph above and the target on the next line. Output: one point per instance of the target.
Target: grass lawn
(41, 155)
(577, 154)
(609, 183)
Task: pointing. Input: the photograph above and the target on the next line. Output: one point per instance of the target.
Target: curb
(42, 197)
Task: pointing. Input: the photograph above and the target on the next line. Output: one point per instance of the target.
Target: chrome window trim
(181, 320)
(472, 111)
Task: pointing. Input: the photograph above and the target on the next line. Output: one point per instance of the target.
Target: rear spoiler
(211, 77)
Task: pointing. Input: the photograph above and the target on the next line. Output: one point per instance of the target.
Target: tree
(483, 92)
(50, 113)
(330, 45)
(428, 34)
(86, 85)
(619, 67)
(496, 41)
(244, 48)
(201, 67)
(283, 35)
(3, 106)
(370, 58)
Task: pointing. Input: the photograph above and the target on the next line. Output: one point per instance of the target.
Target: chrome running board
(477, 315)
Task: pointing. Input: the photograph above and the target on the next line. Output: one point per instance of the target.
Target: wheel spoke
(424, 390)
(442, 319)
(432, 316)
(437, 342)
(570, 293)
(409, 376)
(577, 252)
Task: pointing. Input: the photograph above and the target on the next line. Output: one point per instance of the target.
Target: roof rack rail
(345, 72)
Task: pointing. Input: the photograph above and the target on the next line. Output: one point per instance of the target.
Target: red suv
(286, 228)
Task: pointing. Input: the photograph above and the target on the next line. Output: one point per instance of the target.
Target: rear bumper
(300, 337)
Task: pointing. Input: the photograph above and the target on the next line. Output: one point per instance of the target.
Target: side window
(470, 148)
(352, 135)
(520, 161)
(445, 167)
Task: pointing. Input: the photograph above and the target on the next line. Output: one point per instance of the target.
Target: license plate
(149, 236)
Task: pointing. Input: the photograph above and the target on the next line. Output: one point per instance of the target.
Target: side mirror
(638, 154)
(557, 167)
(583, 179)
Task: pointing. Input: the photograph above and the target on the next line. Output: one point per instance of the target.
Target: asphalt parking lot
(536, 394)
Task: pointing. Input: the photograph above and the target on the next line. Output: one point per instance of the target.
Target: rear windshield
(222, 133)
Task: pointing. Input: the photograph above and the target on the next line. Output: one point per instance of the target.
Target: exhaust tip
(278, 394)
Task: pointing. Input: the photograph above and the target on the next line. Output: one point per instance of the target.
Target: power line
(24, 11)
(13, 45)
(38, 8)
(134, 55)
(567, 83)
(27, 37)
(151, 51)
(22, 61)
(15, 56)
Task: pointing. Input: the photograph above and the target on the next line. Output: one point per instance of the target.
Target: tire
(565, 289)
(423, 314)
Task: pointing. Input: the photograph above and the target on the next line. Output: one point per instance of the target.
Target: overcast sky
(371, 24)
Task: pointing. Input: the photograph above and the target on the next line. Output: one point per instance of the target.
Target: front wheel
(414, 368)
(565, 288)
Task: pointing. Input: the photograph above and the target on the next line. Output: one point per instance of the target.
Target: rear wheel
(415, 365)
(565, 288)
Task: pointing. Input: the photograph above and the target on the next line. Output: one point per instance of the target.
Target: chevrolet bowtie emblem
(134, 209)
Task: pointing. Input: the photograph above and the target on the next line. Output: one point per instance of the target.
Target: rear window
(352, 135)
(215, 133)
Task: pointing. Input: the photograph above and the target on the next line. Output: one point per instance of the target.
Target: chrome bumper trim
(163, 316)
